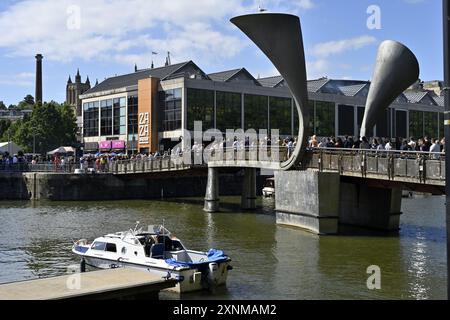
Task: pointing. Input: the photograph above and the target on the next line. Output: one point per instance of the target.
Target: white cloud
(327, 49)
(111, 29)
(23, 79)
(321, 63)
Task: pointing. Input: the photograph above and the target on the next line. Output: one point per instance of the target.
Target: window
(441, 125)
(172, 109)
(132, 122)
(99, 246)
(431, 124)
(111, 247)
(360, 118)
(384, 125)
(119, 124)
(90, 119)
(255, 112)
(200, 107)
(106, 107)
(325, 119)
(346, 115)
(416, 124)
(228, 111)
(281, 115)
(400, 124)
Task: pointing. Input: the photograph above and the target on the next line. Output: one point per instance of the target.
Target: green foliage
(50, 125)
(2, 106)
(4, 126)
(27, 103)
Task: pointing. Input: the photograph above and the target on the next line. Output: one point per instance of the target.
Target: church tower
(74, 90)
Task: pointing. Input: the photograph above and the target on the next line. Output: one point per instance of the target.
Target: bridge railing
(41, 167)
(410, 165)
(146, 165)
(251, 154)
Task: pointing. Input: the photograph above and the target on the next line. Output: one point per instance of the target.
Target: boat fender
(83, 266)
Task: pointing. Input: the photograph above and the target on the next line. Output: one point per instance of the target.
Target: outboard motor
(213, 273)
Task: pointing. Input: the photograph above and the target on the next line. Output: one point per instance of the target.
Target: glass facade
(346, 116)
(312, 118)
(430, 125)
(200, 107)
(132, 118)
(106, 107)
(441, 125)
(400, 124)
(416, 124)
(255, 112)
(325, 119)
(172, 110)
(90, 119)
(360, 118)
(119, 114)
(280, 115)
(384, 125)
(228, 111)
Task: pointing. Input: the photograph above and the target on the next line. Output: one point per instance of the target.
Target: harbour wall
(74, 187)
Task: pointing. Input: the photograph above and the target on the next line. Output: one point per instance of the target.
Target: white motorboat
(269, 188)
(156, 250)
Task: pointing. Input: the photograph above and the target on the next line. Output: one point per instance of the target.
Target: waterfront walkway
(108, 284)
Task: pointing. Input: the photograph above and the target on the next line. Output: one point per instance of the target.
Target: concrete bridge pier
(368, 207)
(319, 202)
(248, 200)
(308, 200)
(212, 191)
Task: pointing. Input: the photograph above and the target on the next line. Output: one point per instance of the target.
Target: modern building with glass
(147, 110)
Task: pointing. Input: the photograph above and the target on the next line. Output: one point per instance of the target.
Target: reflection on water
(270, 262)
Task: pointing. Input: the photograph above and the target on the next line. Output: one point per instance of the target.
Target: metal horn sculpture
(279, 36)
(396, 69)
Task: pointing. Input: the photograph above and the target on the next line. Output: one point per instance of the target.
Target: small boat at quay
(156, 250)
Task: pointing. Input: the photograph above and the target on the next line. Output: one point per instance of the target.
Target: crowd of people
(420, 145)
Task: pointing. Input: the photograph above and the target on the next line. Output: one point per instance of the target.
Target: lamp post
(446, 19)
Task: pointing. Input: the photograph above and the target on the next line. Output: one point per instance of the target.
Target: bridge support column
(248, 200)
(212, 191)
(308, 200)
(368, 207)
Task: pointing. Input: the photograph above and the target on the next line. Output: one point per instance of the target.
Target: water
(270, 262)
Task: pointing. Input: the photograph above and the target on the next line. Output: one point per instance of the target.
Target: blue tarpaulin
(214, 255)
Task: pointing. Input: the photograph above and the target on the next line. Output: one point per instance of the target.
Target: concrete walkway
(108, 284)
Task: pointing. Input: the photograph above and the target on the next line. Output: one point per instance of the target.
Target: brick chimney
(38, 96)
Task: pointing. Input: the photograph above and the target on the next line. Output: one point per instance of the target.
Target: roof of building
(440, 100)
(226, 76)
(271, 82)
(419, 97)
(353, 90)
(132, 79)
(349, 88)
(223, 76)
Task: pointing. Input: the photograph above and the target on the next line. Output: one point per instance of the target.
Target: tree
(27, 103)
(4, 126)
(2, 106)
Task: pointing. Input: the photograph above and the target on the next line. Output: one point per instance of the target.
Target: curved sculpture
(279, 36)
(396, 69)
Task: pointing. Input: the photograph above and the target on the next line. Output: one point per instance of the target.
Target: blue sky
(106, 37)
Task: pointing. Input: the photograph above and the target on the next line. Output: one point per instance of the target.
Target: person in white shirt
(435, 149)
(388, 146)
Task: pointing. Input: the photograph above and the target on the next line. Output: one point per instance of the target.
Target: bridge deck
(117, 283)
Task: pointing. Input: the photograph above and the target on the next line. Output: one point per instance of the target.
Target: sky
(104, 38)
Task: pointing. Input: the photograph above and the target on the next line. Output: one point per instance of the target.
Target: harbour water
(270, 261)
